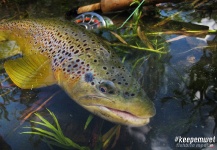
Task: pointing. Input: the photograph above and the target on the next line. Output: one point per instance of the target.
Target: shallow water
(182, 84)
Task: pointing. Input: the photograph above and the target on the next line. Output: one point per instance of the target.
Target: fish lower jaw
(119, 116)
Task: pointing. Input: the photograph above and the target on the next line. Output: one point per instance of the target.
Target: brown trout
(58, 52)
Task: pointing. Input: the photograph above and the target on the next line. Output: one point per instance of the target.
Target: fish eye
(107, 87)
(103, 89)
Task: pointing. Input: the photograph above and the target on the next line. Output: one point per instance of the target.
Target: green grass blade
(48, 134)
(90, 117)
(57, 123)
(38, 133)
(55, 136)
(131, 14)
(59, 133)
(45, 121)
(45, 132)
(39, 123)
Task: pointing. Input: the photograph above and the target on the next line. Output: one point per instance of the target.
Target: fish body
(57, 52)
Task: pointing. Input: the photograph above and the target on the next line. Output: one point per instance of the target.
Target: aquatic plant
(53, 134)
(134, 31)
(136, 13)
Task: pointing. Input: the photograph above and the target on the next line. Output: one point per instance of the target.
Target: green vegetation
(132, 38)
(53, 134)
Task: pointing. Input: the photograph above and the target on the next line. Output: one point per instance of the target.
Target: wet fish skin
(57, 52)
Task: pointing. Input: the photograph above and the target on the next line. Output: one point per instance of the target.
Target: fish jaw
(116, 108)
(118, 116)
(116, 112)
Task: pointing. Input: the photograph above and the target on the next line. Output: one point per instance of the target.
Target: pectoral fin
(29, 72)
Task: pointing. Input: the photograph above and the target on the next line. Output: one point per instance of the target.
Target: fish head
(112, 94)
(102, 84)
(113, 105)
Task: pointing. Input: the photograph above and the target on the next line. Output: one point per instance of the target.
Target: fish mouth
(116, 115)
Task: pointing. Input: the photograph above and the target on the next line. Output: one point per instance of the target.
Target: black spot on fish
(89, 77)
(76, 65)
(62, 60)
(76, 51)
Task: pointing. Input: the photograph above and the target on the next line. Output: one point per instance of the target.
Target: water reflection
(4, 145)
(182, 85)
(188, 106)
